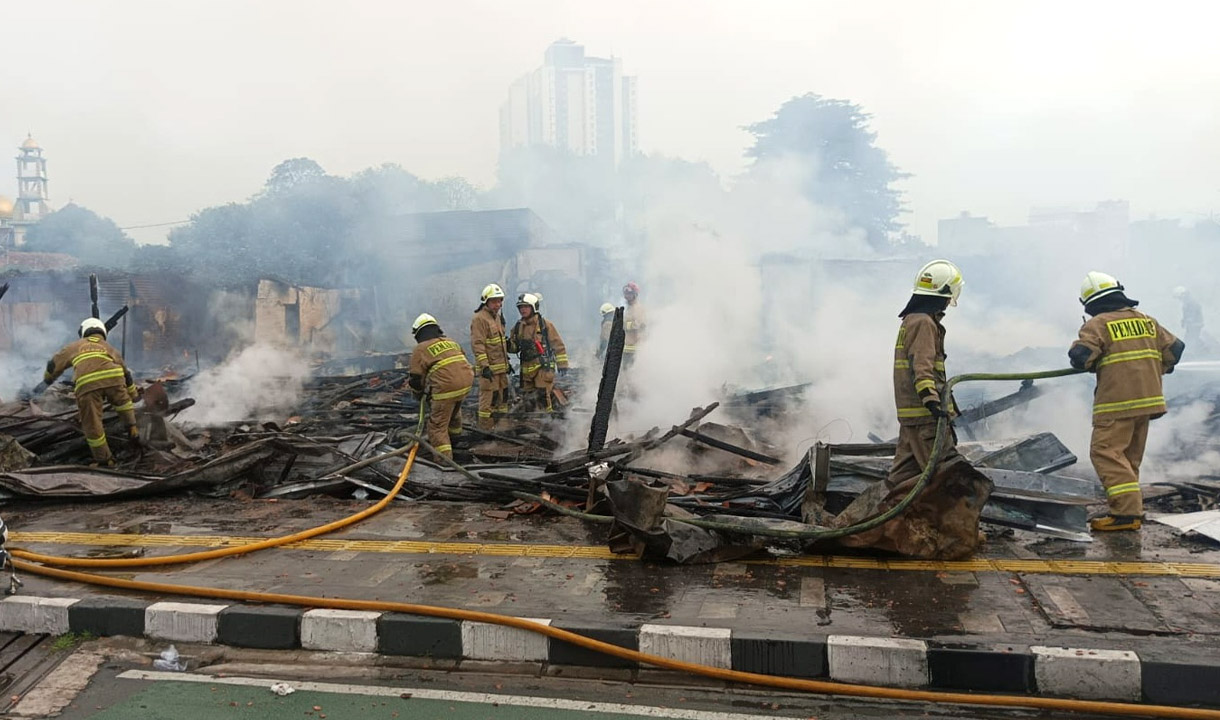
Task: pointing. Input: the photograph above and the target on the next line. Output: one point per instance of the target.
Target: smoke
(22, 365)
(256, 383)
(1178, 444)
(724, 310)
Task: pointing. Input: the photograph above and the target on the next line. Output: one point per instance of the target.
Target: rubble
(700, 491)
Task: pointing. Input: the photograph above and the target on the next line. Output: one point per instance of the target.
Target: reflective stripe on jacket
(443, 366)
(487, 342)
(1129, 351)
(521, 341)
(634, 326)
(95, 365)
(919, 365)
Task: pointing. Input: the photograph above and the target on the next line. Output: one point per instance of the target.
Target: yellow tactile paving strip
(594, 552)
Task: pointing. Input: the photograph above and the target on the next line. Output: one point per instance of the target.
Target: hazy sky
(151, 109)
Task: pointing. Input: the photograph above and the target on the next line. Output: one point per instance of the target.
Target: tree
(82, 233)
(457, 193)
(843, 167)
(312, 228)
(292, 174)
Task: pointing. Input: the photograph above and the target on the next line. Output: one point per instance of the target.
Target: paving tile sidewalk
(956, 630)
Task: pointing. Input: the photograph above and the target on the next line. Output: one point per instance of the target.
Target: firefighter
(1129, 352)
(919, 371)
(1192, 316)
(634, 324)
(100, 377)
(537, 342)
(607, 311)
(488, 345)
(439, 369)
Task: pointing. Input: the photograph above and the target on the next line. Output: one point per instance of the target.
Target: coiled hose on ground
(737, 676)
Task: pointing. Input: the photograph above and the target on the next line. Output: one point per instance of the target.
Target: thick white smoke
(258, 382)
(22, 366)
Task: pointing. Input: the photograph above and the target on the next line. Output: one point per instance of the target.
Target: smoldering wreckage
(734, 496)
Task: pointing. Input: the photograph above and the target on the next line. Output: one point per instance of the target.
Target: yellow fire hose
(236, 549)
(737, 676)
(784, 683)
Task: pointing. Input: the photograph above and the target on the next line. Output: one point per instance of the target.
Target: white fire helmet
(607, 308)
(491, 292)
(421, 322)
(940, 278)
(92, 324)
(1098, 285)
(529, 299)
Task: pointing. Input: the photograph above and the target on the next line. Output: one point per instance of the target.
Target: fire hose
(783, 683)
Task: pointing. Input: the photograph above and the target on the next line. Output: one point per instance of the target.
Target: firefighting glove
(486, 373)
(933, 407)
(133, 432)
(563, 372)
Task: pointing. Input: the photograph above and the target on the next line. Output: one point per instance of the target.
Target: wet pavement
(452, 555)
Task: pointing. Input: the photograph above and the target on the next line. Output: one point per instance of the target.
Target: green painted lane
(193, 701)
(174, 696)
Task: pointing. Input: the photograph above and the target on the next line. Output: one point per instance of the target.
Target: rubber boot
(1112, 523)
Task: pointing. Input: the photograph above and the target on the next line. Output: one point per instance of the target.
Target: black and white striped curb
(1169, 677)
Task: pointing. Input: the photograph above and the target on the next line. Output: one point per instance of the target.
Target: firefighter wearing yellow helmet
(439, 370)
(537, 342)
(489, 347)
(100, 377)
(1129, 352)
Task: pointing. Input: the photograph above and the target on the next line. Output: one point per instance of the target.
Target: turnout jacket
(95, 365)
(487, 341)
(537, 341)
(919, 368)
(439, 365)
(633, 326)
(1129, 351)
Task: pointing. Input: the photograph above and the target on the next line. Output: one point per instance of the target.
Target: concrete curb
(1165, 678)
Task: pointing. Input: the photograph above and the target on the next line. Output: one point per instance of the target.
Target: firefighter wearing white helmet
(100, 377)
(919, 368)
(607, 311)
(940, 278)
(490, 349)
(537, 343)
(921, 402)
(1129, 352)
(439, 370)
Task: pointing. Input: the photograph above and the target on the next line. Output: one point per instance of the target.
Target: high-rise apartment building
(581, 103)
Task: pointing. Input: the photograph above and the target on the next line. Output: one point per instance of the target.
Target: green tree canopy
(82, 233)
(844, 168)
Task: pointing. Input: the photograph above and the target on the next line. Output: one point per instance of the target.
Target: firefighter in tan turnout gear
(1129, 352)
(100, 377)
(439, 369)
(634, 322)
(489, 346)
(919, 370)
(607, 311)
(537, 342)
(942, 521)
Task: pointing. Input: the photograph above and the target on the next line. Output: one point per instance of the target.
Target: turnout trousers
(444, 421)
(90, 404)
(493, 397)
(1117, 449)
